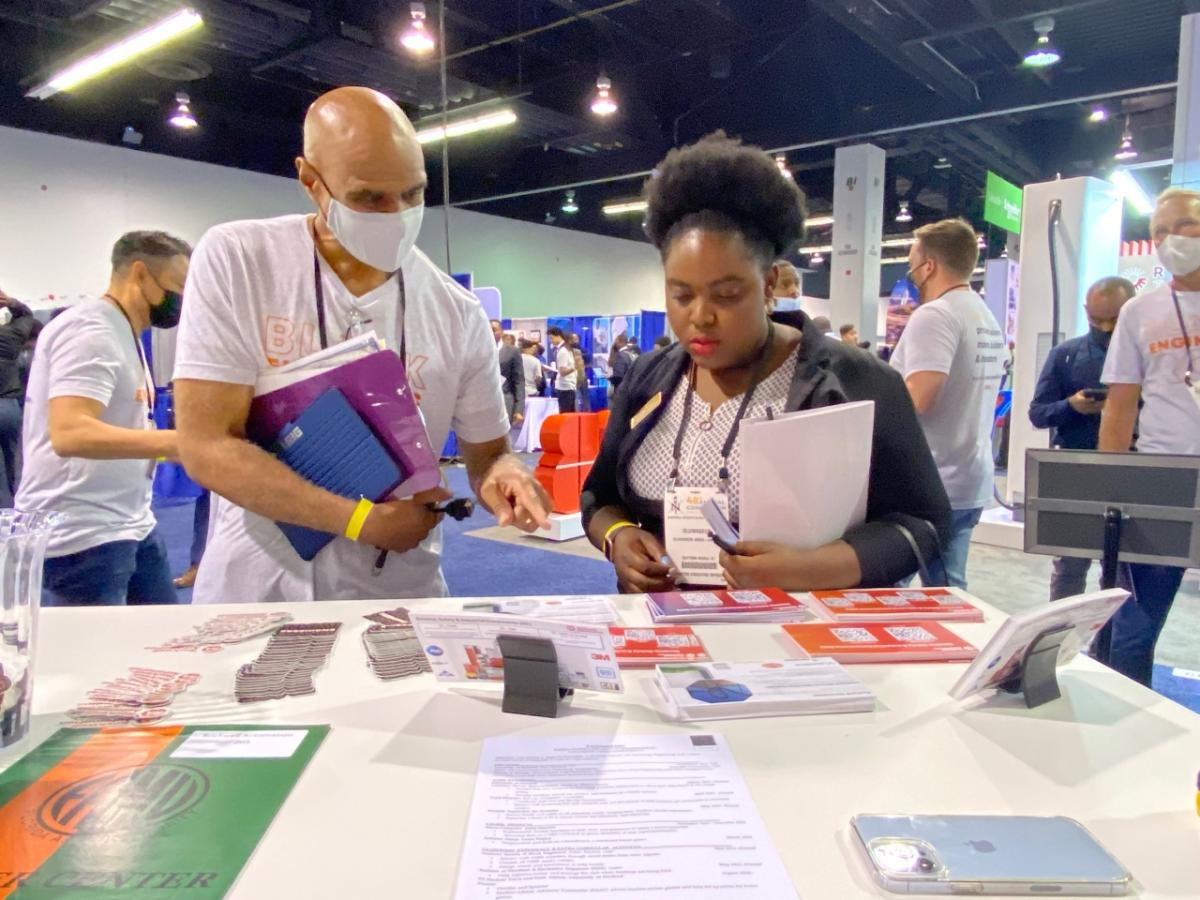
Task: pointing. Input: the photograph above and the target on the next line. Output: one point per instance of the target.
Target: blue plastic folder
(330, 445)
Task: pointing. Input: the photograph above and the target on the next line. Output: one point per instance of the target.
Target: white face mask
(381, 240)
(1180, 254)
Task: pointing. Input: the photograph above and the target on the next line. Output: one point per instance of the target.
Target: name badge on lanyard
(1192, 383)
(685, 528)
(686, 531)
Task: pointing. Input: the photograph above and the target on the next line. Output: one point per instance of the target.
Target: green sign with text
(1002, 203)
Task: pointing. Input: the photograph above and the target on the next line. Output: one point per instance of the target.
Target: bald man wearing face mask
(265, 293)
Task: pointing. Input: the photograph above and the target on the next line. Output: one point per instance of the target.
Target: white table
(382, 809)
(537, 410)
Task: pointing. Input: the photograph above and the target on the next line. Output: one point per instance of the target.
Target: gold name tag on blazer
(651, 405)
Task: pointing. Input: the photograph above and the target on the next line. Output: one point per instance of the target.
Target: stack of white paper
(598, 610)
(330, 358)
(805, 474)
(697, 692)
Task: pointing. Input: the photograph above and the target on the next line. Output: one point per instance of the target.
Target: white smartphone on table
(1032, 856)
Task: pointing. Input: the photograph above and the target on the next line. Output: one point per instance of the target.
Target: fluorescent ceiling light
(892, 260)
(626, 206)
(114, 55)
(942, 163)
(569, 205)
(819, 221)
(889, 243)
(470, 125)
(905, 215)
(1098, 114)
(816, 259)
(1128, 187)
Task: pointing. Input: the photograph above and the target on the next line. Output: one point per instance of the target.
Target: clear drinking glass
(23, 537)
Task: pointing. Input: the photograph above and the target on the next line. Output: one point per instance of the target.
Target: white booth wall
(546, 271)
(66, 201)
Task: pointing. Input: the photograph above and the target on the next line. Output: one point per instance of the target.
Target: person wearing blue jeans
(89, 438)
(951, 356)
(950, 569)
(1151, 362)
(111, 574)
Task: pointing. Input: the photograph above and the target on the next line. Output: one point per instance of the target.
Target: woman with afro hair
(720, 214)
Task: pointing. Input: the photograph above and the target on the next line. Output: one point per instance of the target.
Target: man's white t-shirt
(87, 351)
(250, 305)
(957, 335)
(563, 357)
(533, 370)
(1148, 349)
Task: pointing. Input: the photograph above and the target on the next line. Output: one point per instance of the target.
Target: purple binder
(377, 388)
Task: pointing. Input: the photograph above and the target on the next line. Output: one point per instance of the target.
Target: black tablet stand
(531, 676)
(1038, 677)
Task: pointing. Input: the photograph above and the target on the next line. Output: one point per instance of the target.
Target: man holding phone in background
(1070, 398)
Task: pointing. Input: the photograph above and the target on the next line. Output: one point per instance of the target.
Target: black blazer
(904, 487)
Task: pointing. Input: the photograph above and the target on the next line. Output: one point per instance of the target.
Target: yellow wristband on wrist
(359, 518)
(608, 535)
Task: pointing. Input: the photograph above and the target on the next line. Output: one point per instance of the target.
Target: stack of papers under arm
(806, 505)
(768, 605)
(893, 605)
(882, 642)
(700, 692)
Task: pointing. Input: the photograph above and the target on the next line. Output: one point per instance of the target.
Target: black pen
(458, 510)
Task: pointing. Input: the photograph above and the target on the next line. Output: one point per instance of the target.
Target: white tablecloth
(382, 808)
(537, 410)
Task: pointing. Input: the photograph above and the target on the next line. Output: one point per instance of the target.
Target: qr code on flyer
(853, 635)
(911, 633)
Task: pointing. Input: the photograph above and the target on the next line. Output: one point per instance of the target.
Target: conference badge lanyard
(358, 322)
(1193, 385)
(693, 553)
(147, 378)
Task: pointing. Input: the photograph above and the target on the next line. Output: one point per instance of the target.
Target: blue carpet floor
(476, 567)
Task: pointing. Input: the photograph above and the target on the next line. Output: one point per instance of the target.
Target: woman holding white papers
(720, 213)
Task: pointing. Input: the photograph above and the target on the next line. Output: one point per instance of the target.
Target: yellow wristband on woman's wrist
(612, 530)
(359, 518)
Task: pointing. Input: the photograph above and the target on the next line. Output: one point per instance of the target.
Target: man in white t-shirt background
(564, 363)
(951, 355)
(89, 436)
(265, 293)
(1155, 345)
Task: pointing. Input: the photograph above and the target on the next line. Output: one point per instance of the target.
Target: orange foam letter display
(570, 442)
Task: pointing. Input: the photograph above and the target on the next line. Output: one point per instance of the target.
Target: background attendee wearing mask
(89, 438)
(18, 328)
(677, 414)
(267, 292)
(564, 365)
(512, 375)
(951, 355)
(1061, 401)
(785, 296)
(1155, 346)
